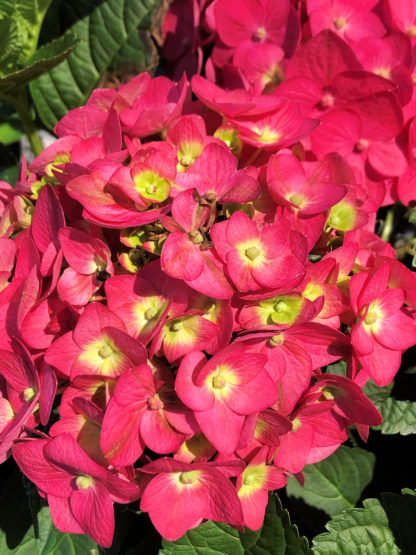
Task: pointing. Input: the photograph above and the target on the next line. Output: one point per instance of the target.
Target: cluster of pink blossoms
(179, 271)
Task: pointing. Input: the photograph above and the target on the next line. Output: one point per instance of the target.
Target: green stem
(21, 105)
(388, 224)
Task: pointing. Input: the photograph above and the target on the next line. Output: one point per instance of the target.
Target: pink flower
(181, 495)
(258, 258)
(80, 493)
(144, 411)
(384, 328)
(223, 390)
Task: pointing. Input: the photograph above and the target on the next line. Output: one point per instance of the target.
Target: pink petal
(221, 426)
(387, 158)
(62, 353)
(322, 57)
(158, 434)
(382, 364)
(295, 379)
(240, 228)
(48, 219)
(95, 317)
(196, 398)
(397, 332)
(48, 385)
(81, 250)
(254, 396)
(212, 282)
(173, 510)
(181, 258)
(64, 452)
(31, 459)
(93, 509)
(62, 516)
(77, 289)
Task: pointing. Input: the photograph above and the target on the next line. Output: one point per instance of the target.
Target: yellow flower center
(252, 253)
(339, 23)
(83, 482)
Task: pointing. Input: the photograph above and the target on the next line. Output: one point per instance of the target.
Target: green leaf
(399, 417)
(104, 28)
(276, 537)
(9, 174)
(383, 527)
(47, 57)
(336, 483)
(378, 395)
(339, 368)
(20, 23)
(10, 127)
(10, 133)
(207, 539)
(50, 541)
(412, 216)
(137, 54)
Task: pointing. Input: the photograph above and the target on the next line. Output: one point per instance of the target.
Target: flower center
(28, 394)
(297, 199)
(105, 351)
(339, 23)
(277, 340)
(370, 318)
(83, 482)
(327, 100)
(176, 326)
(196, 237)
(188, 477)
(218, 382)
(327, 393)
(412, 31)
(252, 253)
(260, 35)
(296, 424)
(155, 402)
(150, 313)
(361, 145)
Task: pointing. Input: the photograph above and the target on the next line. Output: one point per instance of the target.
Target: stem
(21, 105)
(388, 225)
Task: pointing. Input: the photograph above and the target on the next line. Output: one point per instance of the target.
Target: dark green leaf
(276, 537)
(50, 541)
(337, 482)
(412, 216)
(380, 527)
(137, 54)
(104, 28)
(399, 417)
(339, 368)
(9, 174)
(378, 395)
(46, 58)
